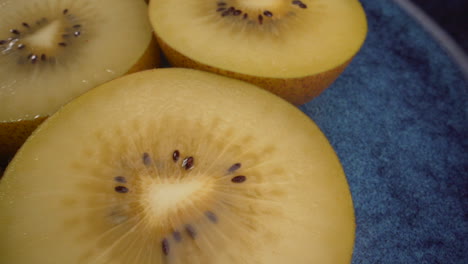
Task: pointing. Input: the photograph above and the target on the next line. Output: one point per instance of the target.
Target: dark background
(451, 15)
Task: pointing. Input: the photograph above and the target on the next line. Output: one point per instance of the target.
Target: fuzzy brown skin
(150, 59)
(14, 134)
(295, 90)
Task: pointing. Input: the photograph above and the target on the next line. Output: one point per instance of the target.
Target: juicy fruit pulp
(293, 48)
(168, 168)
(52, 51)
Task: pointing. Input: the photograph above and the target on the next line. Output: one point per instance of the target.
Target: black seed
(299, 3)
(26, 25)
(65, 11)
(191, 231)
(2, 42)
(21, 46)
(268, 13)
(63, 44)
(165, 246)
(237, 12)
(77, 26)
(30, 56)
(43, 57)
(228, 12)
(211, 216)
(245, 16)
(120, 179)
(175, 155)
(239, 179)
(235, 167)
(146, 159)
(260, 19)
(33, 58)
(177, 236)
(77, 33)
(121, 189)
(188, 163)
(220, 9)
(221, 4)
(14, 31)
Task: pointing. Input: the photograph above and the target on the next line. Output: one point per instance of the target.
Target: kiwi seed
(191, 231)
(299, 4)
(165, 246)
(239, 179)
(177, 236)
(268, 13)
(121, 189)
(187, 163)
(175, 155)
(234, 167)
(211, 216)
(120, 179)
(146, 159)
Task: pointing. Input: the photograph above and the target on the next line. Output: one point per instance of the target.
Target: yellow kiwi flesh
(176, 166)
(295, 49)
(53, 51)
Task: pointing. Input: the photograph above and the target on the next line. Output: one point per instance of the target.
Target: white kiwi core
(46, 37)
(161, 198)
(261, 4)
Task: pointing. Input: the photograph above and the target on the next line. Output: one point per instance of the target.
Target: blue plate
(397, 118)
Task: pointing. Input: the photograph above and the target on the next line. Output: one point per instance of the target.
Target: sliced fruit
(295, 49)
(176, 166)
(52, 51)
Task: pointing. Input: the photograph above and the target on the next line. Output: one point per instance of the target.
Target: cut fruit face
(52, 51)
(268, 38)
(176, 166)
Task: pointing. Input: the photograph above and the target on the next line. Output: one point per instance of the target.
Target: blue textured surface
(397, 119)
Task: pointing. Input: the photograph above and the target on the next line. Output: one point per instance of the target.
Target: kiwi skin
(295, 90)
(14, 134)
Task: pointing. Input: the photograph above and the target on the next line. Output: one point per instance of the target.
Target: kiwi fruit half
(53, 50)
(176, 166)
(295, 49)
